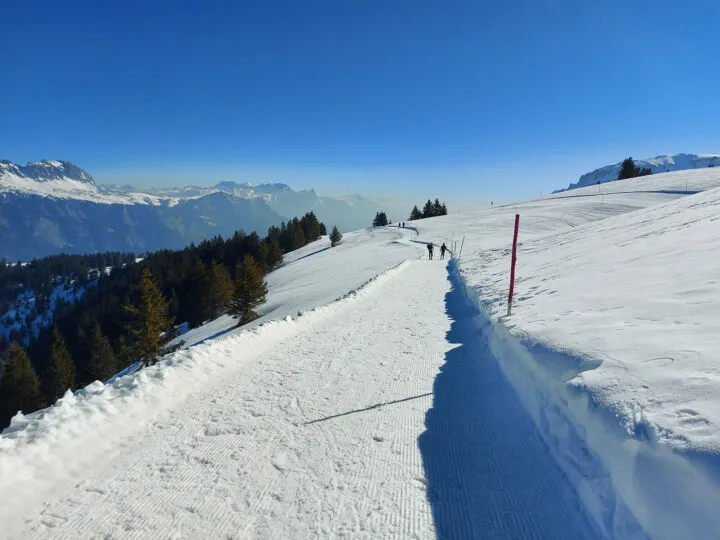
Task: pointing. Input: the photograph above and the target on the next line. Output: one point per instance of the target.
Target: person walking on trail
(430, 251)
(443, 249)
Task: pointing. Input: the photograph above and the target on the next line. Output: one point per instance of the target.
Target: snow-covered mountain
(62, 180)
(52, 206)
(658, 164)
(349, 212)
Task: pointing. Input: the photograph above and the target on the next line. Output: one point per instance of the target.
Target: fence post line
(461, 246)
(512, 265)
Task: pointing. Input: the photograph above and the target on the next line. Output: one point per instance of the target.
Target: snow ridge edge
(631, 487)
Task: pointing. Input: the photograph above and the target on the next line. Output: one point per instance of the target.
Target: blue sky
(494, 100)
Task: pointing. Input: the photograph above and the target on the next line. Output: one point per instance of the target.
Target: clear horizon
(462, 101)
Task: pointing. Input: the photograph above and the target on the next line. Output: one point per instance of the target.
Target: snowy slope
(332, 425)
(618, 325)
(316, 275)
(632, 290)
(592, 411)
(658, 164)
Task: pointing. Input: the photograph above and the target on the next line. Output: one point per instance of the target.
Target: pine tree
(335, 237)
(380, 219)
(323, 230)
(197, 294)
(220, 290)
(415, 214)
(61, 376)
(437, 208)
(443, 210)
(123, 354)
(250, 290)
(298, 240)
(19, 385)
(174, 304)
(627, 169)
(103, 364)
(428, 209)
(150, 330)
(311, 226)
(274, 255)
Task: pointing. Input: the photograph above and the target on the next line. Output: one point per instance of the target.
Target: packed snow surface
(315, 433)
(383, 395)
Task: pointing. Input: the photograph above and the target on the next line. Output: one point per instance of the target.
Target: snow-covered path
(326, 436)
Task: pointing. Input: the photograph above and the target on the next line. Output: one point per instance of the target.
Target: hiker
(443, 249)
(430, 251)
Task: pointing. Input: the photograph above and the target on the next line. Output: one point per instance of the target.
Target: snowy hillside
(23, 316)
(658, 164)
(384, 395)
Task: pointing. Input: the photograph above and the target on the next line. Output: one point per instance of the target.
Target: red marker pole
(512, 265)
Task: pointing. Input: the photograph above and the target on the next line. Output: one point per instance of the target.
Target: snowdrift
(613, 340)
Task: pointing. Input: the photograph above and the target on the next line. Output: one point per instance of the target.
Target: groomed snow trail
(325, 436)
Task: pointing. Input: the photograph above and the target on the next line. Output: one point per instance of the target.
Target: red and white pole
(512, 265)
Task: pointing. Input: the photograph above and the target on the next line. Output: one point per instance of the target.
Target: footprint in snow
(378, 438)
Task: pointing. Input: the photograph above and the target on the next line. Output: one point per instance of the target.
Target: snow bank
(612, 344)
(44, 451)
(622, 480)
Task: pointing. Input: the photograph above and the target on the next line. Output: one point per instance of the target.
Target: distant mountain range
(49, 207)
(658, 164)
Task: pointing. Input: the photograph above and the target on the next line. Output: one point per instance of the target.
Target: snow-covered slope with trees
(658, 164)
(25, 315)
(413, 406)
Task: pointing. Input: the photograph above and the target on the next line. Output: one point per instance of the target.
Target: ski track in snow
(325, 436)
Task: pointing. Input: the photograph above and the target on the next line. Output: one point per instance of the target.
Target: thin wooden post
(512, 265)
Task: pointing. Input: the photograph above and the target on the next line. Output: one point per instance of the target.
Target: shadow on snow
(489, 474)
(309, 255)
(369, 408)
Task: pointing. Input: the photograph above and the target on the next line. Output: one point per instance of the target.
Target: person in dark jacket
(443, 249)
(430, 251)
